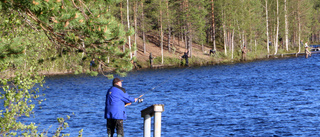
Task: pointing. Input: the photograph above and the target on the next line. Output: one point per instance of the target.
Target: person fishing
(116, 100)
(244, 52)
(92, 64)
(151, 60)
(212, 51)
(186, 56)
(307, 52)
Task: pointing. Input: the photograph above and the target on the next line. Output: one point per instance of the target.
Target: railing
(154, 110)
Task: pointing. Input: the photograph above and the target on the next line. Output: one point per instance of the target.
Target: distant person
(244, 52)
(212, 51)
(115, 113)
(134, 63)
(270, 43)
(186, 56)
(301, 42)
(307, 52)
(151, 60)
(92, 64)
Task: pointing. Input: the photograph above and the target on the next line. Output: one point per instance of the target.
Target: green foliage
(18, 95)
(167, 61)
(62, 125)
(84, 25)
(92, 73)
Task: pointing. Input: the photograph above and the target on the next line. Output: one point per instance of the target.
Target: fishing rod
(164, 81)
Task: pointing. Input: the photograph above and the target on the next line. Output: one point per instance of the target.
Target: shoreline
(169, 66)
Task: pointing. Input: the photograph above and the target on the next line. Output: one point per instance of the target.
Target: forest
(52, 36)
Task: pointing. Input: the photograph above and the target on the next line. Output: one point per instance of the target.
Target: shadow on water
(263, 98)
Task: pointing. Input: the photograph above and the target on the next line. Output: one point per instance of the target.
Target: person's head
(117, 81)
(92, 59)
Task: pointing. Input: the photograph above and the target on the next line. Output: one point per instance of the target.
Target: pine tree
(73, 24)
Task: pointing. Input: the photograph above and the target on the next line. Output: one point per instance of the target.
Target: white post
(147, 126)
(154, 110)
(157, 124)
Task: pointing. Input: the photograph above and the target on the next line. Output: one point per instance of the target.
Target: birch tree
(277, 30)
(128, 21)
(286, 25)
(267, 25)
(161, 31)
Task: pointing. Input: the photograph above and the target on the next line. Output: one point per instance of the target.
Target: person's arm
(126, 98)
(127, 104)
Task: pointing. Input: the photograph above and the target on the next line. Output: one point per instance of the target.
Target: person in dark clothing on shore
(186, 56)
(212, 51)
(244, 52)
(92, 64)
(116, 100)
(151, 60)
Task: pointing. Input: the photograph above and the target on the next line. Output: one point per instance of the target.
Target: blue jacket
(116, 98)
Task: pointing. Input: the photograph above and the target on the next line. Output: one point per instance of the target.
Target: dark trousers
(113, 124)
(187, 62)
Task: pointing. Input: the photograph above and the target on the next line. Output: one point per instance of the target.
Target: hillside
(153, 46)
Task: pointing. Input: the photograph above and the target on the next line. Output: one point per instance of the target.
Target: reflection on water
(263, 98)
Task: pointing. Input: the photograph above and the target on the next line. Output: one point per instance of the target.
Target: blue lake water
(279, 97)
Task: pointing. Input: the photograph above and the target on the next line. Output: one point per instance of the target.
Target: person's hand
(135, 99)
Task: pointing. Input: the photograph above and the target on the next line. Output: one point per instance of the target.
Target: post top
(152, 109)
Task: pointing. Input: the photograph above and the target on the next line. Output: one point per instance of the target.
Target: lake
(278, 97)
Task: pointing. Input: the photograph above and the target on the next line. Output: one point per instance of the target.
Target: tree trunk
(225, 39)
(318, 37)
(299, 33)
(161, 33)
(224, 34)
(286, 25)
(185, 37)
(135, 27)
(232, 44)
(190, 44)
(213, 26)
(189, 35)
(121, 18)
(244, 38)
(169, 26)
(229, 40)
(202, 47)
(277, 31)
(173, 37)
(128, 19)
(267, 25)
(143, 31)
(255, 45)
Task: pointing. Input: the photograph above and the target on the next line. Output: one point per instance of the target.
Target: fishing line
(164, 81)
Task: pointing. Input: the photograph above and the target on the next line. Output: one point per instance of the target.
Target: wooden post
(154, 110)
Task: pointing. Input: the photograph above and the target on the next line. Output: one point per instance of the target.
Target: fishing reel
(140, 100)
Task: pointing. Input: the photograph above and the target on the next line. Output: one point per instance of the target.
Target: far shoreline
(272, 57)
